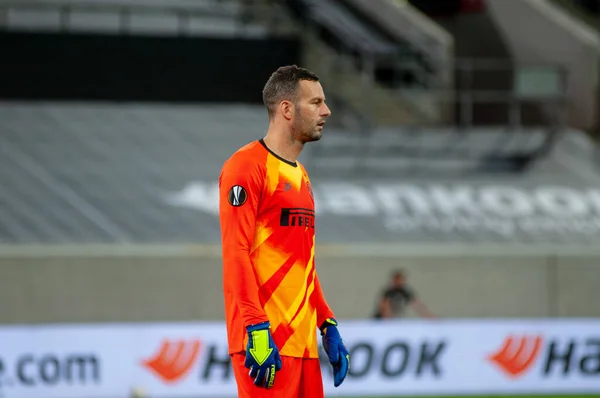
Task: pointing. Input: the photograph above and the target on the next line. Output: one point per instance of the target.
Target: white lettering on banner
(454, 200)
(197, 195)
(594, 198)
(587, 226)
(451, 224)
(391, 199)
(405, 208)
(562, 202)
(506, 201)
(346, 199)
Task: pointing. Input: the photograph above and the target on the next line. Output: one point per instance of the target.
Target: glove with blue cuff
(262, 355)
(338, 355)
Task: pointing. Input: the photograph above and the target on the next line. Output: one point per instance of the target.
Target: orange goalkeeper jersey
(267, 216)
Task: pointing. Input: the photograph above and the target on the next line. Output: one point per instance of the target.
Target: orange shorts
(298, 378)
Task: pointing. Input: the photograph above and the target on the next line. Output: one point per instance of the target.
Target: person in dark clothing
(397, 297)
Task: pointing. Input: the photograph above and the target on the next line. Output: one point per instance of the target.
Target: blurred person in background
(396, 297)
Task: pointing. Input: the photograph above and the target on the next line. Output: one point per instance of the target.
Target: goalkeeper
(274, 305)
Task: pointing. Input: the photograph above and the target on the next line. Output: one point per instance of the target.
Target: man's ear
(287, 109)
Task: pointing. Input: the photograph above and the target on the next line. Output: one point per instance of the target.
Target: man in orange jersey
(273, 298)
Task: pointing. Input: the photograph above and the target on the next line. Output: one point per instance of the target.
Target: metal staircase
(350, 57)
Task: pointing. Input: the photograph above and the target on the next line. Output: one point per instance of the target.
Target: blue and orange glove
(338, 355)
(262, 355)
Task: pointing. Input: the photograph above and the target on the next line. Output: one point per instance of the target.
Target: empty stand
(213, 18)
(382, 126)
(84, 172)
(144, 50)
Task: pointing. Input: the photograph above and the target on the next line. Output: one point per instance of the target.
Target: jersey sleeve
(323, 310)
(240, 186)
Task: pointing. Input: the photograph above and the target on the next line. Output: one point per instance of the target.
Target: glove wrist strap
(328, 322)
(258, 326)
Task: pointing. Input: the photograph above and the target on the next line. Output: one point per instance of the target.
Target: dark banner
(129, 68)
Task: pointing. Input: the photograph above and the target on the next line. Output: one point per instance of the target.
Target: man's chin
(316, 136)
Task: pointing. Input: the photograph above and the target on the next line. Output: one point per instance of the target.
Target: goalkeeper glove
(262, 355)
(338, 355)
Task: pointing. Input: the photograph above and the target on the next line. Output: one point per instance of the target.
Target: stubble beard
(304, 132)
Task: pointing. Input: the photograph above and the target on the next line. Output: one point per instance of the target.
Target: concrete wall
(538, 32)
(122, 284)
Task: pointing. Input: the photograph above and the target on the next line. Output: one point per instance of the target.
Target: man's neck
(283, 145)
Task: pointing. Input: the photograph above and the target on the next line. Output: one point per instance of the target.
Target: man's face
(311, 112)
(398, 281)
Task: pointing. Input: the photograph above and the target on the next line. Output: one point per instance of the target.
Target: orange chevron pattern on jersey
(267, 216)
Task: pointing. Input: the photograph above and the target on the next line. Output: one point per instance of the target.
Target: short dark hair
(283, 85)
(399, 273)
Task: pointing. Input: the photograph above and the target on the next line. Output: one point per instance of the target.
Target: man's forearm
(243, 286)
(323, 310)
(422, 309)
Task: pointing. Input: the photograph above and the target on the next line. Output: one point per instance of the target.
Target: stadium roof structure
(131, 173)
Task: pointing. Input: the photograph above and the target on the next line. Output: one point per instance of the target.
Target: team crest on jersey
(310, 191)
(237, 195)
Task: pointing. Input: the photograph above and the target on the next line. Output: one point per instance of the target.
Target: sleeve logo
(237, 195)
